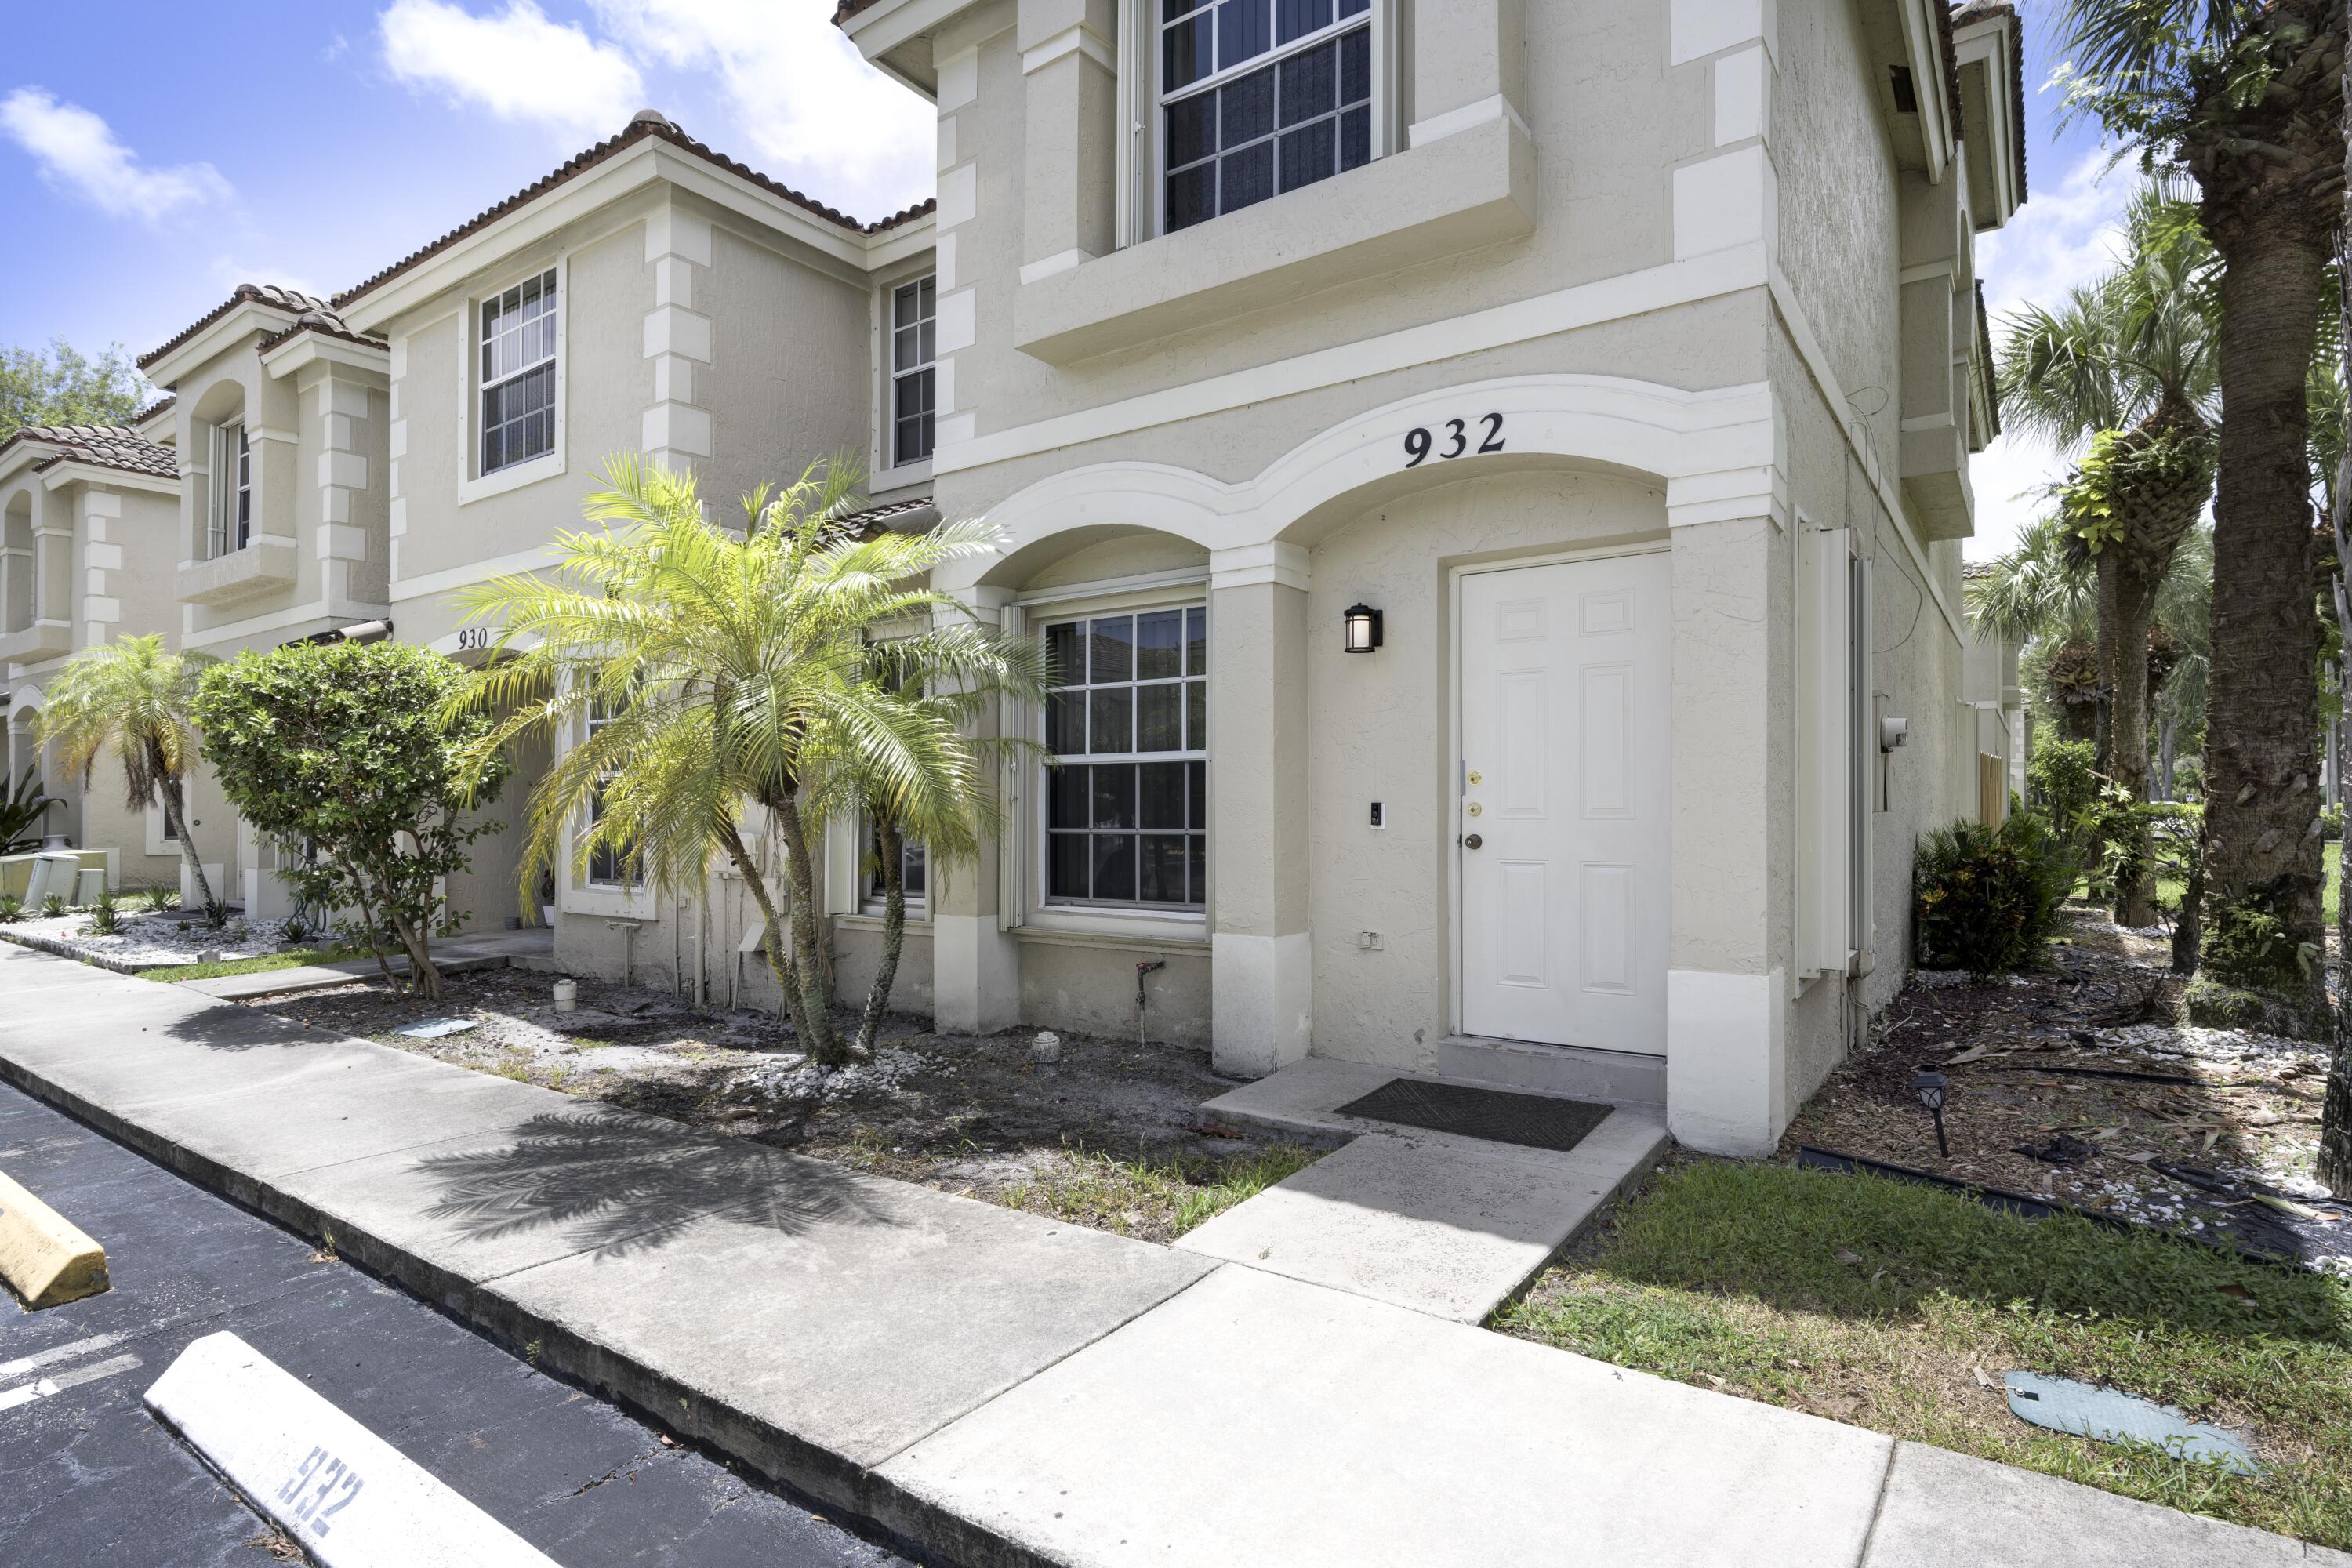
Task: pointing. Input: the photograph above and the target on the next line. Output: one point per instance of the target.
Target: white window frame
(1046, 909)
(924, 365)
(1140, 171)
(871, 898)
(472, 483)
(230, 528)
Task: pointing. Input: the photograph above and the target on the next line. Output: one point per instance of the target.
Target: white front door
(1564, 796)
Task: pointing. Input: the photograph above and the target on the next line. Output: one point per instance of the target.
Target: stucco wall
(791, 375)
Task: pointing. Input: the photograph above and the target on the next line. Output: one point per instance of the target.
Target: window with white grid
(518, 374)
(608, 864)
(914, 378)
(1126, 809)
(232, 525)
(1258, 97)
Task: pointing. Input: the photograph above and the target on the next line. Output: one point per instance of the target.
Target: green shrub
(105, 918)
(12, 908)
(157, 899)
(2063, 780)
(1987, 898)
(53, 906)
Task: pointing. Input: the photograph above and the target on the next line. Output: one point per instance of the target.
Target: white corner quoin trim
(349, 1497)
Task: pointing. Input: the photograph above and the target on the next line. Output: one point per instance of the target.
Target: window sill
(1472, 188)
(1118, 932)
(513, 477)
(918, 923)
(265, 564)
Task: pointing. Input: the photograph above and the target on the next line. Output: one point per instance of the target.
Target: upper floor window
(914, 350)
(231, 520)
(518, 347)
(1127, 810)
(1259, 97)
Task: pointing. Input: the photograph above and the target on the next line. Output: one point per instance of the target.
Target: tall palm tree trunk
(2262, 818)
(176, 814)
(2334, 1163)
(2134, 607)
(890, 848)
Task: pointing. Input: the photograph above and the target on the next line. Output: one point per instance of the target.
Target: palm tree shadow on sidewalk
(619, 1184)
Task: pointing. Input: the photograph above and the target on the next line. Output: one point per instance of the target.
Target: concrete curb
(923, 1529)
(44, 1256)
(61, 949)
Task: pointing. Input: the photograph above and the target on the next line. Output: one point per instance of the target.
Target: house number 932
(1452, 438)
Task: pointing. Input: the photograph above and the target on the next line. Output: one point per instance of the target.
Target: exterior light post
(1930, 1087)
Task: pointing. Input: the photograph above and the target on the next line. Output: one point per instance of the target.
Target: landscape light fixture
(1362, 625)
(1930, 1087)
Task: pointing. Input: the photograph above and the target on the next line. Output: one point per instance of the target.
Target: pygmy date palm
(735, 688)
(133, 697)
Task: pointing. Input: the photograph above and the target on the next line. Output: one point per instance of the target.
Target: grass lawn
(292, 958)
(1160, 1199)
(1898, 1308)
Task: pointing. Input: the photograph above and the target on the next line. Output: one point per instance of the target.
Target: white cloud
(517, 64)
(2059, 238)
(77, 151)
(813, 112)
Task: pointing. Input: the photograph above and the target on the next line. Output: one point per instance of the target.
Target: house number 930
(1452, 438)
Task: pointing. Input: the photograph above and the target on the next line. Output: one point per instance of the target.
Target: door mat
(1530, 1121)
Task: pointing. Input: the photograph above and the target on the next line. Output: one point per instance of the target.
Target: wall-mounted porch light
(1362, 625)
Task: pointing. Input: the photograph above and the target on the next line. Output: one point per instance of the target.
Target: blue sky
(153, 156)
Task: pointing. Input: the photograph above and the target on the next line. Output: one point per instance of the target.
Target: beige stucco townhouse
(1491, 474)
(277, 421)
(1494, 474)
(89, 514)
(649, 296)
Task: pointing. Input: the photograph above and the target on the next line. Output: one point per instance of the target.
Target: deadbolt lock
(1476, 810)
(1476, 778)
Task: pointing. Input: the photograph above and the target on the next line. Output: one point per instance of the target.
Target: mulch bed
(2211, 1132)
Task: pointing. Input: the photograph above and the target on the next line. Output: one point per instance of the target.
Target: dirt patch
(1111, 1136)
(2210, 1132)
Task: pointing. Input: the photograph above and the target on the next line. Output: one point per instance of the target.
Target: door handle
(1472, 842)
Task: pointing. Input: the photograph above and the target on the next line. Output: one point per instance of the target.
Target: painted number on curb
(1418, 441)
(334, 1477)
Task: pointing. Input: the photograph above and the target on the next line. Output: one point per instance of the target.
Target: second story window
(232, 524)
(1258, 97)
(914, 348)
(517, 348)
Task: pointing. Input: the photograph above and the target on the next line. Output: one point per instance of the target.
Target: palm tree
(738, 694)
(2124, 373)
(133, 697)
(2246, 99)
(950, 824)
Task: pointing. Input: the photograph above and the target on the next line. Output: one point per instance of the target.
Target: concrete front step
(1577, 1072)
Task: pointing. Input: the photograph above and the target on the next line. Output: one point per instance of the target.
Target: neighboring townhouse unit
(648, 296)
(87, 518)
(1492, 474)
(278, 416)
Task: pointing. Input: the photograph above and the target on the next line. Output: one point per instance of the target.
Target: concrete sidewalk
(1001, 1388)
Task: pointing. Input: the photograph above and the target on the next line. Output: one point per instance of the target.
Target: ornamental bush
(342, 746)
(1986, 899)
